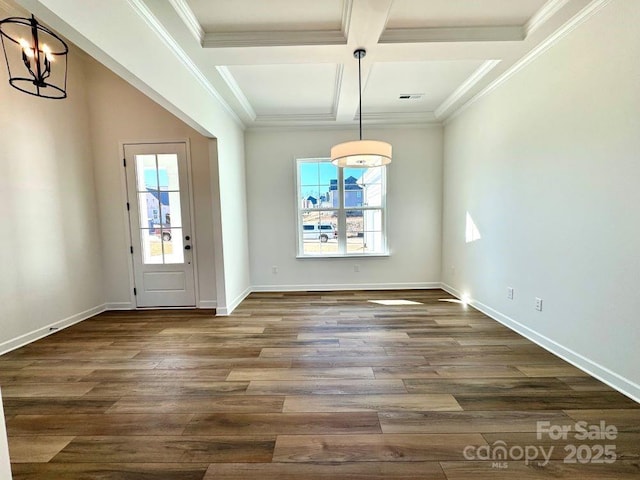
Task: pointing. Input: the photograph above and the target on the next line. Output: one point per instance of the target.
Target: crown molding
(273, 39)
(545, 12)
(143, 11)
(559, 34)
(231, 82)
(347, 8)
(398, 118)
(287, 118)
(189, 18)
(336, 89)
(453, 34)
(467, 85)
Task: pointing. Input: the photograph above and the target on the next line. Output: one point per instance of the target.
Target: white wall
(49, 239)
(120, 113)
(414, 199)
(547, 165)
(229, 182)
(5, 462)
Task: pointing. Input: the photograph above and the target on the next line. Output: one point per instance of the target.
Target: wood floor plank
(626, 420)
(546, 401)
(100, 424)
(312, 471)
(150, 449)
(478, 470)
(299, 386)
(360, 403)
(167, 388)
(30, 390)
(470, 422)
(521, 386)
(283, 423)
(326, 387)
(36, 448)
(243, 374)
(109, 471)
(565, 370)
(373, 448)
(626, 444)
(199, 404)
(438, 371)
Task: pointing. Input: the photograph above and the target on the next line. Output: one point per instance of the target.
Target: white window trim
(342, 218)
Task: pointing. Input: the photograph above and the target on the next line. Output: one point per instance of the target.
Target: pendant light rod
(361, 153)
(359, 54)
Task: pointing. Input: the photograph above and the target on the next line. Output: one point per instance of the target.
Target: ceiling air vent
(411, 96)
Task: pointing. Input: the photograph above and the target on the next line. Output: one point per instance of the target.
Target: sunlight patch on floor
(395, 302)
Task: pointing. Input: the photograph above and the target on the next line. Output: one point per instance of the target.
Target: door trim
(125, 216)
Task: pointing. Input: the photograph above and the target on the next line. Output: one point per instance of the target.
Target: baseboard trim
(45, 331)
(120, 306)
(337, 286)
(224, 311)
(207, 304)
(605, 375)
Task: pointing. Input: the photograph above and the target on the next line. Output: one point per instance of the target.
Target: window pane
(319, 233)
(149, 209)
(349, 202)
(373, 242)
(151, 247)
(327, 172)
(146, 173)
(171, 213)
(168, 172)
(372, 220)
(173, 245)
(363, 187)
(364, 231)
(310, 196)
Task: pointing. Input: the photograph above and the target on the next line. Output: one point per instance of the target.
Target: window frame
(342, 217)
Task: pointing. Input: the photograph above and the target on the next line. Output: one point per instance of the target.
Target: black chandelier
(36, 57)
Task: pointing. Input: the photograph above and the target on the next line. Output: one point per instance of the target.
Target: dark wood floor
(302, 386)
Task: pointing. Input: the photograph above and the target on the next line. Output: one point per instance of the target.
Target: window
(341, 211)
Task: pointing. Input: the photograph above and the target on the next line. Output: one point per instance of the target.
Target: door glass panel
(147, 176)
(168, 171)
(151, 247)
(173, 246)
(158, 189)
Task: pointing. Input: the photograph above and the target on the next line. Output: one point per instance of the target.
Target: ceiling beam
(453, 34)
(367, 21)
(273, 38)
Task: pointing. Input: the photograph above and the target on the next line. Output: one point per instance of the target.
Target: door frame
(124, 195)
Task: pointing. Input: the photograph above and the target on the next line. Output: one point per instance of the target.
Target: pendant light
(36, 57)
(361, 153)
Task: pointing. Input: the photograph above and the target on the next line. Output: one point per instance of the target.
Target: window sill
(353, 255)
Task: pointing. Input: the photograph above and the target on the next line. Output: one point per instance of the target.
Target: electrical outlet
(510, 293)
(538, 304)
(274, 269)
(356, 268)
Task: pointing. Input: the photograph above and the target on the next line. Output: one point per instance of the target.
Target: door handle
(187, 247)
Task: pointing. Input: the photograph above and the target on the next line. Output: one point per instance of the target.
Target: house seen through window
(341, 211)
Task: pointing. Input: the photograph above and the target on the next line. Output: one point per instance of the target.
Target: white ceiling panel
(461, 13)
(267, 15)
(434, 80)
(288, 89)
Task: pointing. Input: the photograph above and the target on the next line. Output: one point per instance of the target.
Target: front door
(160, 221)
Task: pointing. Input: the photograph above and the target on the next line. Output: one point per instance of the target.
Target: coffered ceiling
(290, 62)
